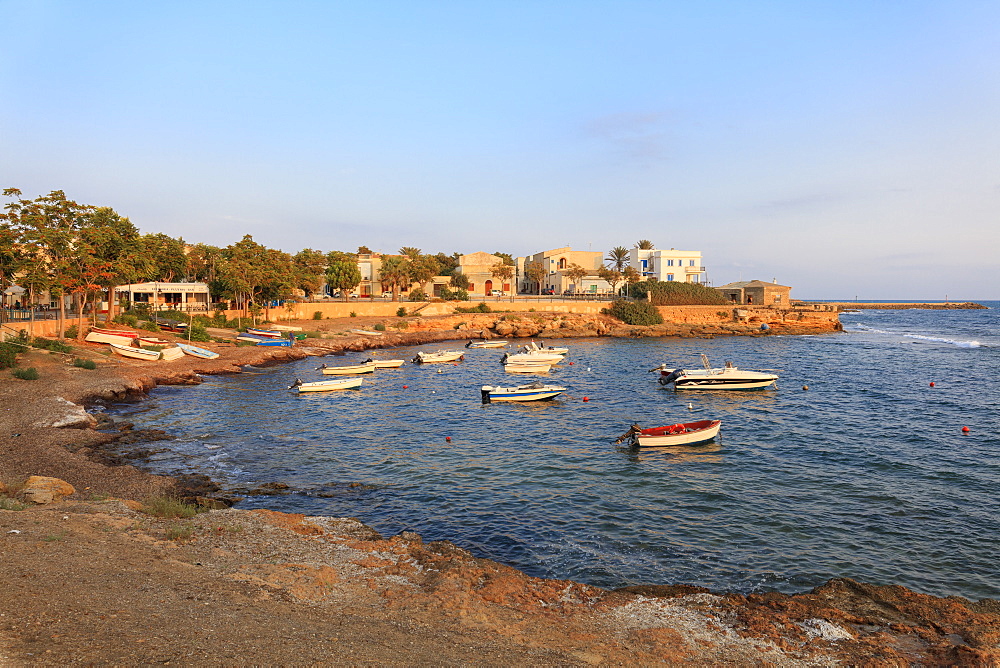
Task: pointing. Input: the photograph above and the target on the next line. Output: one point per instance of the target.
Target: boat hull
(354, 369)
(195, 351)
(487, 344)
(121, 337)
(135, 353)
(330, 385)
(551, 358)
(536, 367)
(439, 357)
(723, 384)
(524, 393)
(688, 433)
(171, 354)
(266, 333)
(388, 364)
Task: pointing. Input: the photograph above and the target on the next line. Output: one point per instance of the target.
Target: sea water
(866, 474)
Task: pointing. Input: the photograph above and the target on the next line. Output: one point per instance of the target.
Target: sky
(845, 148)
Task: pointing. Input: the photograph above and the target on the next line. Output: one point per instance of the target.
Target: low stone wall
(380, 309)
(37, 328)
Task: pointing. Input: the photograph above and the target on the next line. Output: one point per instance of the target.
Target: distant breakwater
(847, 306)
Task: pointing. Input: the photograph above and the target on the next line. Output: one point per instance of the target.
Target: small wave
(954, 342)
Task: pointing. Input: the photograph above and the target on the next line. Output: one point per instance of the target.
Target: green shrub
(379, 327)
(401, 311)
(674, 293)
(12, 504)
(634, 313)
(148, 326)
(169, 507)
(8, 355)
(317, 315)
(71, 332)
(199, 333)
(51, 344)
(462, 295)
(353, 314)
(313, 335)
(31, 373)
(446, 293)
(401, 324)
(480, 308)
(84, 364)
(127, 319)
(417, 295)
(180, 532)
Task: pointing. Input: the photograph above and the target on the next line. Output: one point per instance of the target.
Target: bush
(480, 308)
(199, 333)
(84, 364)
(634, 313)
(417, 295)
(353, 314)
(31, 373)
(71, 332)
(401, 324)
(446, 293)
(462, 295)
(401, 311)
(379, 327)
(317, 315)
(169, 507)
(673, 293)
(127, 319)
(8, 355)
(148, 326)
(51, 344)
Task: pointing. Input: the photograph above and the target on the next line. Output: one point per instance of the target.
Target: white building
(668, 265)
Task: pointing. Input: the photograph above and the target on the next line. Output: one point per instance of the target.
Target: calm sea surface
(866, 474)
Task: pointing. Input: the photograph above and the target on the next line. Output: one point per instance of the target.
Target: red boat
(682, 433)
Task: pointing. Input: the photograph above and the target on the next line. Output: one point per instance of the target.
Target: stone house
(757, 293)
(555, 263)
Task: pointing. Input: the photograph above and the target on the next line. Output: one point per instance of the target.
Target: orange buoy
(405, 387)
(586, 398)
(447, 438)
(932, 383)
(965, 430)
(571, 364)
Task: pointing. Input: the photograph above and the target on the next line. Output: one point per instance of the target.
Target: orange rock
(41, 489)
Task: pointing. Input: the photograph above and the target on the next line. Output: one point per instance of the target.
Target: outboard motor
(486, 396)
(671, 377)
(469, 344)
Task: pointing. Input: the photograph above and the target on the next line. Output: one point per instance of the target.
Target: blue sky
(843, 148)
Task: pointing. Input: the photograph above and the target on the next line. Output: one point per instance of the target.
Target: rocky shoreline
(272, 588)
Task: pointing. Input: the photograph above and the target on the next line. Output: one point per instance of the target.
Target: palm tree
(395, 272)
(618, 257)
(410, 252)
(645, 244)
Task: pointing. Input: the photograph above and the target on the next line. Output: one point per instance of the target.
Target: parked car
(497, 293)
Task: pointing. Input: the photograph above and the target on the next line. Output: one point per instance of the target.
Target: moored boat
(531, 392)
(365, 367)
(135, 353)
(532, 347)
(727, 377)
(682, 433)
(527, 367)
(195, 351)
(386, 364)
(327, 385)
(438, 357)
(552, 358)
(497, 343)
(122, 337)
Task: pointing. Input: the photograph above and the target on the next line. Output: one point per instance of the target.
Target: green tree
(618, 258)
(448, 263)
(503, 271)
(535, 272)
(507, 258)
(243, 272)
(631, 276)
(115, 241)
(364, 250)
(576, 273)
(166, 255)
(645, 244)
(394, 274)
(344, 276)
(12, 256)
(310, 270)
(612, 276)
(410, 252)
(459, 280)
(423, 269)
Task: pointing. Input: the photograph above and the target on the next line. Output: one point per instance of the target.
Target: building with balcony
(668, 265)
(553, 267)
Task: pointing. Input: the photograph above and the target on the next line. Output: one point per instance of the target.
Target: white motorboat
(135, 353)
(122, 337)
(532, 392)
(682, 433)
(195, 351)
(327, 385)
(352, 369)
(386, 364)
(496, 343)
(527, 367)
(532, 347)
(438, 357)
(551, 358)
(727, 377)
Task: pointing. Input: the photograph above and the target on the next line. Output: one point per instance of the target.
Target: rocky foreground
(89, 576)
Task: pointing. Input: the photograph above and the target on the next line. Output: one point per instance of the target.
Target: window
(690, 263)
(670, 263)
(670, 277)
(645, 264)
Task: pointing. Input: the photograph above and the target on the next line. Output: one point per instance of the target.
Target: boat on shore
(266, 333)
(171, 353)
(263, 341)
(168, 325)
(532, 392)
(122, 337)
(498, 343)
(727, 377)
(195, 351)
(351, 369)
(327, 385)
(135, 353)
(365, 332)
(438, 357)
(682, 433)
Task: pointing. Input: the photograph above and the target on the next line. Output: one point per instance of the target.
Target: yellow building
(478, 268)
(555, 264)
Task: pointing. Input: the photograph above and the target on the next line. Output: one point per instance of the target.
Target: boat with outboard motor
(263, 341)
(352, 369)
(727, 377)
(537, 391)
(385, 364)
(438, 357)
(682, 433)
(327, 385)
(497, 343)
(532, 347)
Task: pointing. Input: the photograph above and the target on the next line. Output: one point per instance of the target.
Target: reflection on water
(845, 479)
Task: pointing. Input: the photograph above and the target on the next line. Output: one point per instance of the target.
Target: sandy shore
(92, 579)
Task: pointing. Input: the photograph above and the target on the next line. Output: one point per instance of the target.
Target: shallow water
(866, 474)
